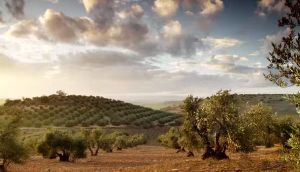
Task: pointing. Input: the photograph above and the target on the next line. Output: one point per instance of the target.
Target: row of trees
(60, 144)
(216, 124)
(71, 110)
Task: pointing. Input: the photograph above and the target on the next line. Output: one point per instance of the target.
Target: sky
(137, 50)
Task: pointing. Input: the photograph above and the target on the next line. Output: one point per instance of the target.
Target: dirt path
(157, 159)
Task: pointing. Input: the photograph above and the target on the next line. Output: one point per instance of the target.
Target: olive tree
(284, 64)
(59, 144)
(92, 138)
(97, 139)
(261, 119)
(171, 138)
(217, 121)
(284, 128)
(190, 140)
(11, 150)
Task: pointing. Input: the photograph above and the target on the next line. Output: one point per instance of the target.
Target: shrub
(62, 145)
(171, 138)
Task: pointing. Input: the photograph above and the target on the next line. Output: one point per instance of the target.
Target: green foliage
(72, 110)
(62, 145)
(293, 155)
(189, 136)
(284, 70)
(262, 123)
(214, 123)
(171, 138)
(284, 58)
(11, 150)
(98, 139)
(219, 124)
(284, 128)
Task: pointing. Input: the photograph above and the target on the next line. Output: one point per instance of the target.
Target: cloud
(25, 29)
(172, 29)
(38, 51)
(55, 26)
(275, 38)
(52, 26)
(166, 8)
(206, 8)
(211, 7)
(178, 43)
(266, 6)
(62, 28)
(255, 53)
(137, 11)
(231, 64)
(220, 43)
(101, 11)
(16, 8)
(53, 1)
(134, 13)
(203, 12)
(1, 19)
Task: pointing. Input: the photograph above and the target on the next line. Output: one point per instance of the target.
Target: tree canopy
(11, 149)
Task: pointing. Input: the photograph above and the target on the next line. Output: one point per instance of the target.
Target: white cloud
(172, 29)
(255, 53)
(219, 43)
(53, 1)
(38, 51)
(211, 7)
(166, 8)
(266, 6)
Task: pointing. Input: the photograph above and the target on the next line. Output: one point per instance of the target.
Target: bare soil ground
(158, 159)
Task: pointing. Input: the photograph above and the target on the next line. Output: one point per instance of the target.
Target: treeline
(75, 110)
(62, 144)
(217, 125)
(66, 147)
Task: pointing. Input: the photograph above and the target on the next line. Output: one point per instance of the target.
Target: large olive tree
(59, 144)
(218, 123)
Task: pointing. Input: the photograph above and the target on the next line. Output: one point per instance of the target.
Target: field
(73, 113)
(158, 159)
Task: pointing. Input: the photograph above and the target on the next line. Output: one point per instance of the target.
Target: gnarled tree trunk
(94, 153)
(218, 153)
(2, 168)
(190, 154)
(64, 156)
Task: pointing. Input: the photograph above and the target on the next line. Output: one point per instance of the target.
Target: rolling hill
(276, 101)
(76, 110)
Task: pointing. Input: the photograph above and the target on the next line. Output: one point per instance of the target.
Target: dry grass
(158, 159)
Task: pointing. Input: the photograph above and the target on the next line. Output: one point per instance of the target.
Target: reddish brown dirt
(158, 159)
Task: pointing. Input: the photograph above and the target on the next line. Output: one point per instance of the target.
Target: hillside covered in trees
(277, 102)
(75, 110)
